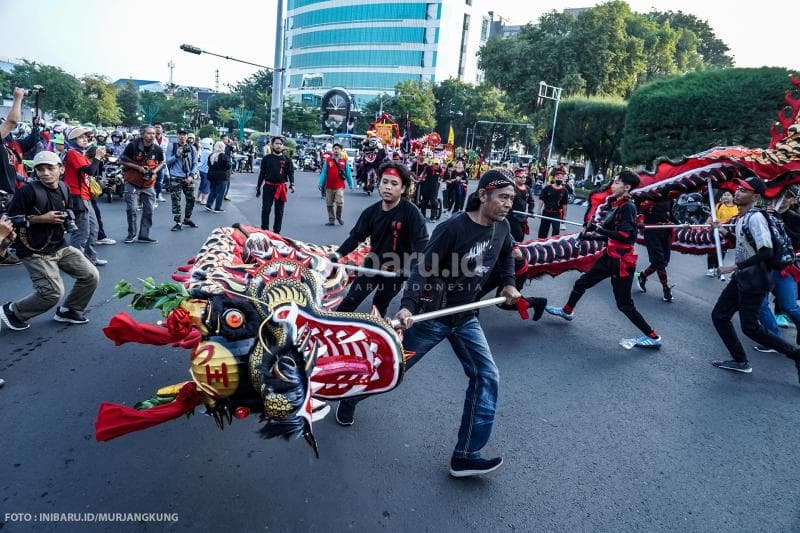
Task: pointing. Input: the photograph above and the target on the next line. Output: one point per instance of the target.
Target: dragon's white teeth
(319, 415)
(375, 376)
(316, 371)
(316, 386)
(358, 388)
(330, 386)
(355, 337)
(377, 362)
(317, 404)
(343, 386)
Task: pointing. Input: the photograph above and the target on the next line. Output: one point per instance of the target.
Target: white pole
(453, 310)
(533, 215)
(714, 219)
(555, 117)
(276, 116)
(670, 226)
(365, 270)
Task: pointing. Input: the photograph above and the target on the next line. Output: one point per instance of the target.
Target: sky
(123, 39)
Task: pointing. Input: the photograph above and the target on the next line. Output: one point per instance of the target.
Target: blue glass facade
(383, 43)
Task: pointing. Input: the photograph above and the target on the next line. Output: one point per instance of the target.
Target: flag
(451, 137)
(406, 144)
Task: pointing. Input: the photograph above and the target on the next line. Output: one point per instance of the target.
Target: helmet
(58, 139)
(58, 127)
(116, 133)
(207, 143)
(101, 133)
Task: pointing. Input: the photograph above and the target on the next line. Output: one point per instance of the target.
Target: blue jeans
(217, 194)
(160, 180)
(472, 350)
(767, 318)
(785, 292)
(205, 185)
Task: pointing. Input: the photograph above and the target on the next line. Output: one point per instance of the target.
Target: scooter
(113, 184)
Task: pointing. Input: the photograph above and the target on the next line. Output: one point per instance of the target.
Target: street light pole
(276, 116)
(551, 93)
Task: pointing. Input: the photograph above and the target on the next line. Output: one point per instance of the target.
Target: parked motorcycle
(112, 181)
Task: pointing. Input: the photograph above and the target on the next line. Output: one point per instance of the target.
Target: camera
(18, 221)
(69, 221)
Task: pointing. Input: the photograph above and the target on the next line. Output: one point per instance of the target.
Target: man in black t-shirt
(397, 233)
(276, 177)
(553, 204)
(658, 243)
(42, 249)
(144, 160)
(456, 263)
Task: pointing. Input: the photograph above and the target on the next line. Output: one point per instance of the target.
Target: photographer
(39, 212)
(12, 170)
(143, 159)
(80, 165)
(182, 163)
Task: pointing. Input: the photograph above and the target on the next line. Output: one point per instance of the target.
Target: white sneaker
(159, 198)
(711, 272)
(106, 240)
(723, 278)
(99, 262)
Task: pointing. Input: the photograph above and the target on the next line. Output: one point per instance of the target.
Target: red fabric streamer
(179, 331)
(623, 252)
(116, 420)
(522, 308)
(791, 270)
(280, 190)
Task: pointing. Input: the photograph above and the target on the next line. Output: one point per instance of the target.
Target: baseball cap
(191, 135)
(753, 183)
(58, 139)
(182, 130)
(46, 158)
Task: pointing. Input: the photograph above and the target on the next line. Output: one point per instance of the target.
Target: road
(595, 437)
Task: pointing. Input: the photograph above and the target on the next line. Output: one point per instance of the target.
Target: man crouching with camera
(40, 216)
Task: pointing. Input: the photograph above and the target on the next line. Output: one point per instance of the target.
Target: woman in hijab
(219, 172)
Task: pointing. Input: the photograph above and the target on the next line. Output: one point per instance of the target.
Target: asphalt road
(595, 437)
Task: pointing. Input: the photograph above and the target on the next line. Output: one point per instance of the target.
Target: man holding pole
(658, 242)
(456, 263)
(553, 204)
(397, 233)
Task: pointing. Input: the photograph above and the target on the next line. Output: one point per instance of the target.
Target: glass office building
(368, 46)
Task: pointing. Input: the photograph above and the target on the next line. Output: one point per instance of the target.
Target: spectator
(163, 142)
(78, 170)
(219, 170)
(44, 252)
(553, 204)
(335, 174)
(202, 168)
(144, 160)
(182, 163)
(116, 146)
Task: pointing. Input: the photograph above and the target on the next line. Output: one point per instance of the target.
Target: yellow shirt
(725, 213)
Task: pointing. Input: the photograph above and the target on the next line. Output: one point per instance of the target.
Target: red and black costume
(277, 172)
(618, 261)
(657, 240)
(524, 203)
(554, 198)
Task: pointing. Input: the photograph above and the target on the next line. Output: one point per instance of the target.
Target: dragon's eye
(233, 318)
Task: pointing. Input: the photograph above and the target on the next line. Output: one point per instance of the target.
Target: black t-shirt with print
(44, 238)
(457, 262)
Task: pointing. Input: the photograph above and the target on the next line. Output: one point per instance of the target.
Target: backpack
(782, 249)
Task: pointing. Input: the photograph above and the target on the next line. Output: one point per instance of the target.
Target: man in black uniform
(397, 233)
(553, 204)
(429, 194)
(524, 203)
(658, 242)
(419, 172)
(276, 171)
(618, 261)
(454, 266)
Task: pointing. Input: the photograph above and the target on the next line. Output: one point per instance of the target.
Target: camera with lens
(18, 221)
(69, 221)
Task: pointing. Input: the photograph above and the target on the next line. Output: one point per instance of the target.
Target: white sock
(62, 309)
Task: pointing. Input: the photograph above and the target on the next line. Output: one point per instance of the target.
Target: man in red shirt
(335, 172)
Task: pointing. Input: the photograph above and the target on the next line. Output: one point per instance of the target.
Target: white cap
(46, 158)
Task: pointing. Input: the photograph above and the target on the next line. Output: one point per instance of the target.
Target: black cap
(753, 183)
(182, 130)
(497, 178)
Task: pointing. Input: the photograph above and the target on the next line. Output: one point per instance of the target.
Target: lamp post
(276, 116)
(549, 92)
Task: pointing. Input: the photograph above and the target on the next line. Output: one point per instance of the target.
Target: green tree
(224, 116)
(714, 52)
(207, 130)
(255, 93)
(688, 114)
(128, 102)
(63, 90)
(99, 101)
(417, 100)
(301, 119)
(591, 127)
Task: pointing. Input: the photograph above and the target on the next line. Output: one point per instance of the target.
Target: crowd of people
(54, 223)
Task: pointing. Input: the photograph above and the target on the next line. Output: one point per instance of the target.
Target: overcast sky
(138, 39)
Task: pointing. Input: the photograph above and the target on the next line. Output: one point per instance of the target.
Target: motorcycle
(310, 164)
(112, 181)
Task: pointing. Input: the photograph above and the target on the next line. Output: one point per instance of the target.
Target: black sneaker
(736, 366)
(346, 413)
(538, 305)
(70, 316)
(147, 240)
(667, 293)
(190, 223)
(10, 319)
(460, 467)
(330, 223)
(177, 227)
(797, 365)
(641, 282)
(764, 349)
(10, 260)
(341, 222)
(208, 208)
(129, 239)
